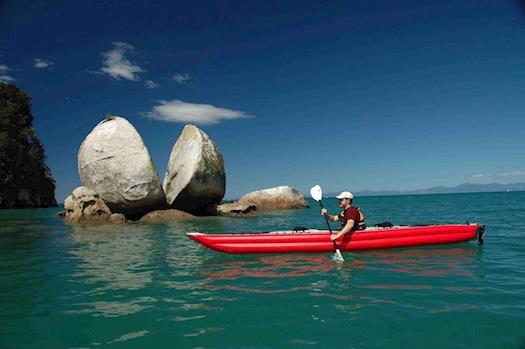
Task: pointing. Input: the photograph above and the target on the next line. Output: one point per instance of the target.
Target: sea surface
(149, 286)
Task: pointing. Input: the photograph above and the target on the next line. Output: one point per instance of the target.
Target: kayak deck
(319, 240)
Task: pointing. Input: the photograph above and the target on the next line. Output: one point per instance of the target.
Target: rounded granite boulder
(114, 162)
(277, 198)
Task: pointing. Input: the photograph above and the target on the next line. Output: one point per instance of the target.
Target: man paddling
(351, 217)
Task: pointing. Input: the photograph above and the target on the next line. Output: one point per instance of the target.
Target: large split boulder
(195, 180)
(84, 206)
(114, 162)
(278, 198)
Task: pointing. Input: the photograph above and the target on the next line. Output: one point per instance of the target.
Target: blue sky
(349, 94)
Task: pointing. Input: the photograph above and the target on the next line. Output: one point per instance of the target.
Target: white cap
(345, 195)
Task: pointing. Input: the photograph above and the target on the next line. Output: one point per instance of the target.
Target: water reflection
(129, 336)
(366, 280)
(113, 308)
(268, 266)
(202, 331)
(427, 262)
(418, 262)
(112, 258)
(272, 274)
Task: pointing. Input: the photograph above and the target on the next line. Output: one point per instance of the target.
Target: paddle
(317, 195)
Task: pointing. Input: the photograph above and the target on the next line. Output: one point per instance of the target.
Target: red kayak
(319, 241)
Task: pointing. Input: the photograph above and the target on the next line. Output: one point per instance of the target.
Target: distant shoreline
(428, 194)
(464, 188)
(358, 195)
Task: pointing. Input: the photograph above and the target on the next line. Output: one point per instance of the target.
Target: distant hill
(463, 188)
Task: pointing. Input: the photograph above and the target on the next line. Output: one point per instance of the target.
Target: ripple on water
(112, 260)
(128, 336)
(112, 308)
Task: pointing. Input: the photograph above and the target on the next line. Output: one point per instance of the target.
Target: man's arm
(324, 212)
(347, 228)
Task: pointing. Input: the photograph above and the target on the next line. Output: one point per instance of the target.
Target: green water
(148, 286)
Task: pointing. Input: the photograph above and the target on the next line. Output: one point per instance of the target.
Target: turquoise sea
(148, 286)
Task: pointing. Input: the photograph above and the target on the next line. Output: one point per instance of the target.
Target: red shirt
(349, 213)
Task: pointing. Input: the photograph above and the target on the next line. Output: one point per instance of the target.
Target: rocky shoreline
(120, 182)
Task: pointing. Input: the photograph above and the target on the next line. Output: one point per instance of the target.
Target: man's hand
(335, 236)
(324, 212)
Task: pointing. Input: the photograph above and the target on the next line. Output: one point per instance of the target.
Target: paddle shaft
(325, 218)
(328, 224)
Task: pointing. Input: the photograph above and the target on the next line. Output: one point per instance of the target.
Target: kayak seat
(384, 225)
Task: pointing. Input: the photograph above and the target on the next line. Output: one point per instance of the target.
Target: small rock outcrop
(117, 218)
(84, 206)
(163, 216)
(278, 198)
(114, 162)
(237, 209)
(195, 180)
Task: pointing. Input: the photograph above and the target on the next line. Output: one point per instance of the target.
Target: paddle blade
(338, 257)
(316, 192)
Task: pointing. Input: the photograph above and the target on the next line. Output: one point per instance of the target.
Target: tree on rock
(25, 179)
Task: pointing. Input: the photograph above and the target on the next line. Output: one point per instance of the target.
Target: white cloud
(502, 174)
(42, 63)
(151, 84)
(116, 64)
(204, 114)
(181, 79)
(4, 78)
(511, 174)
